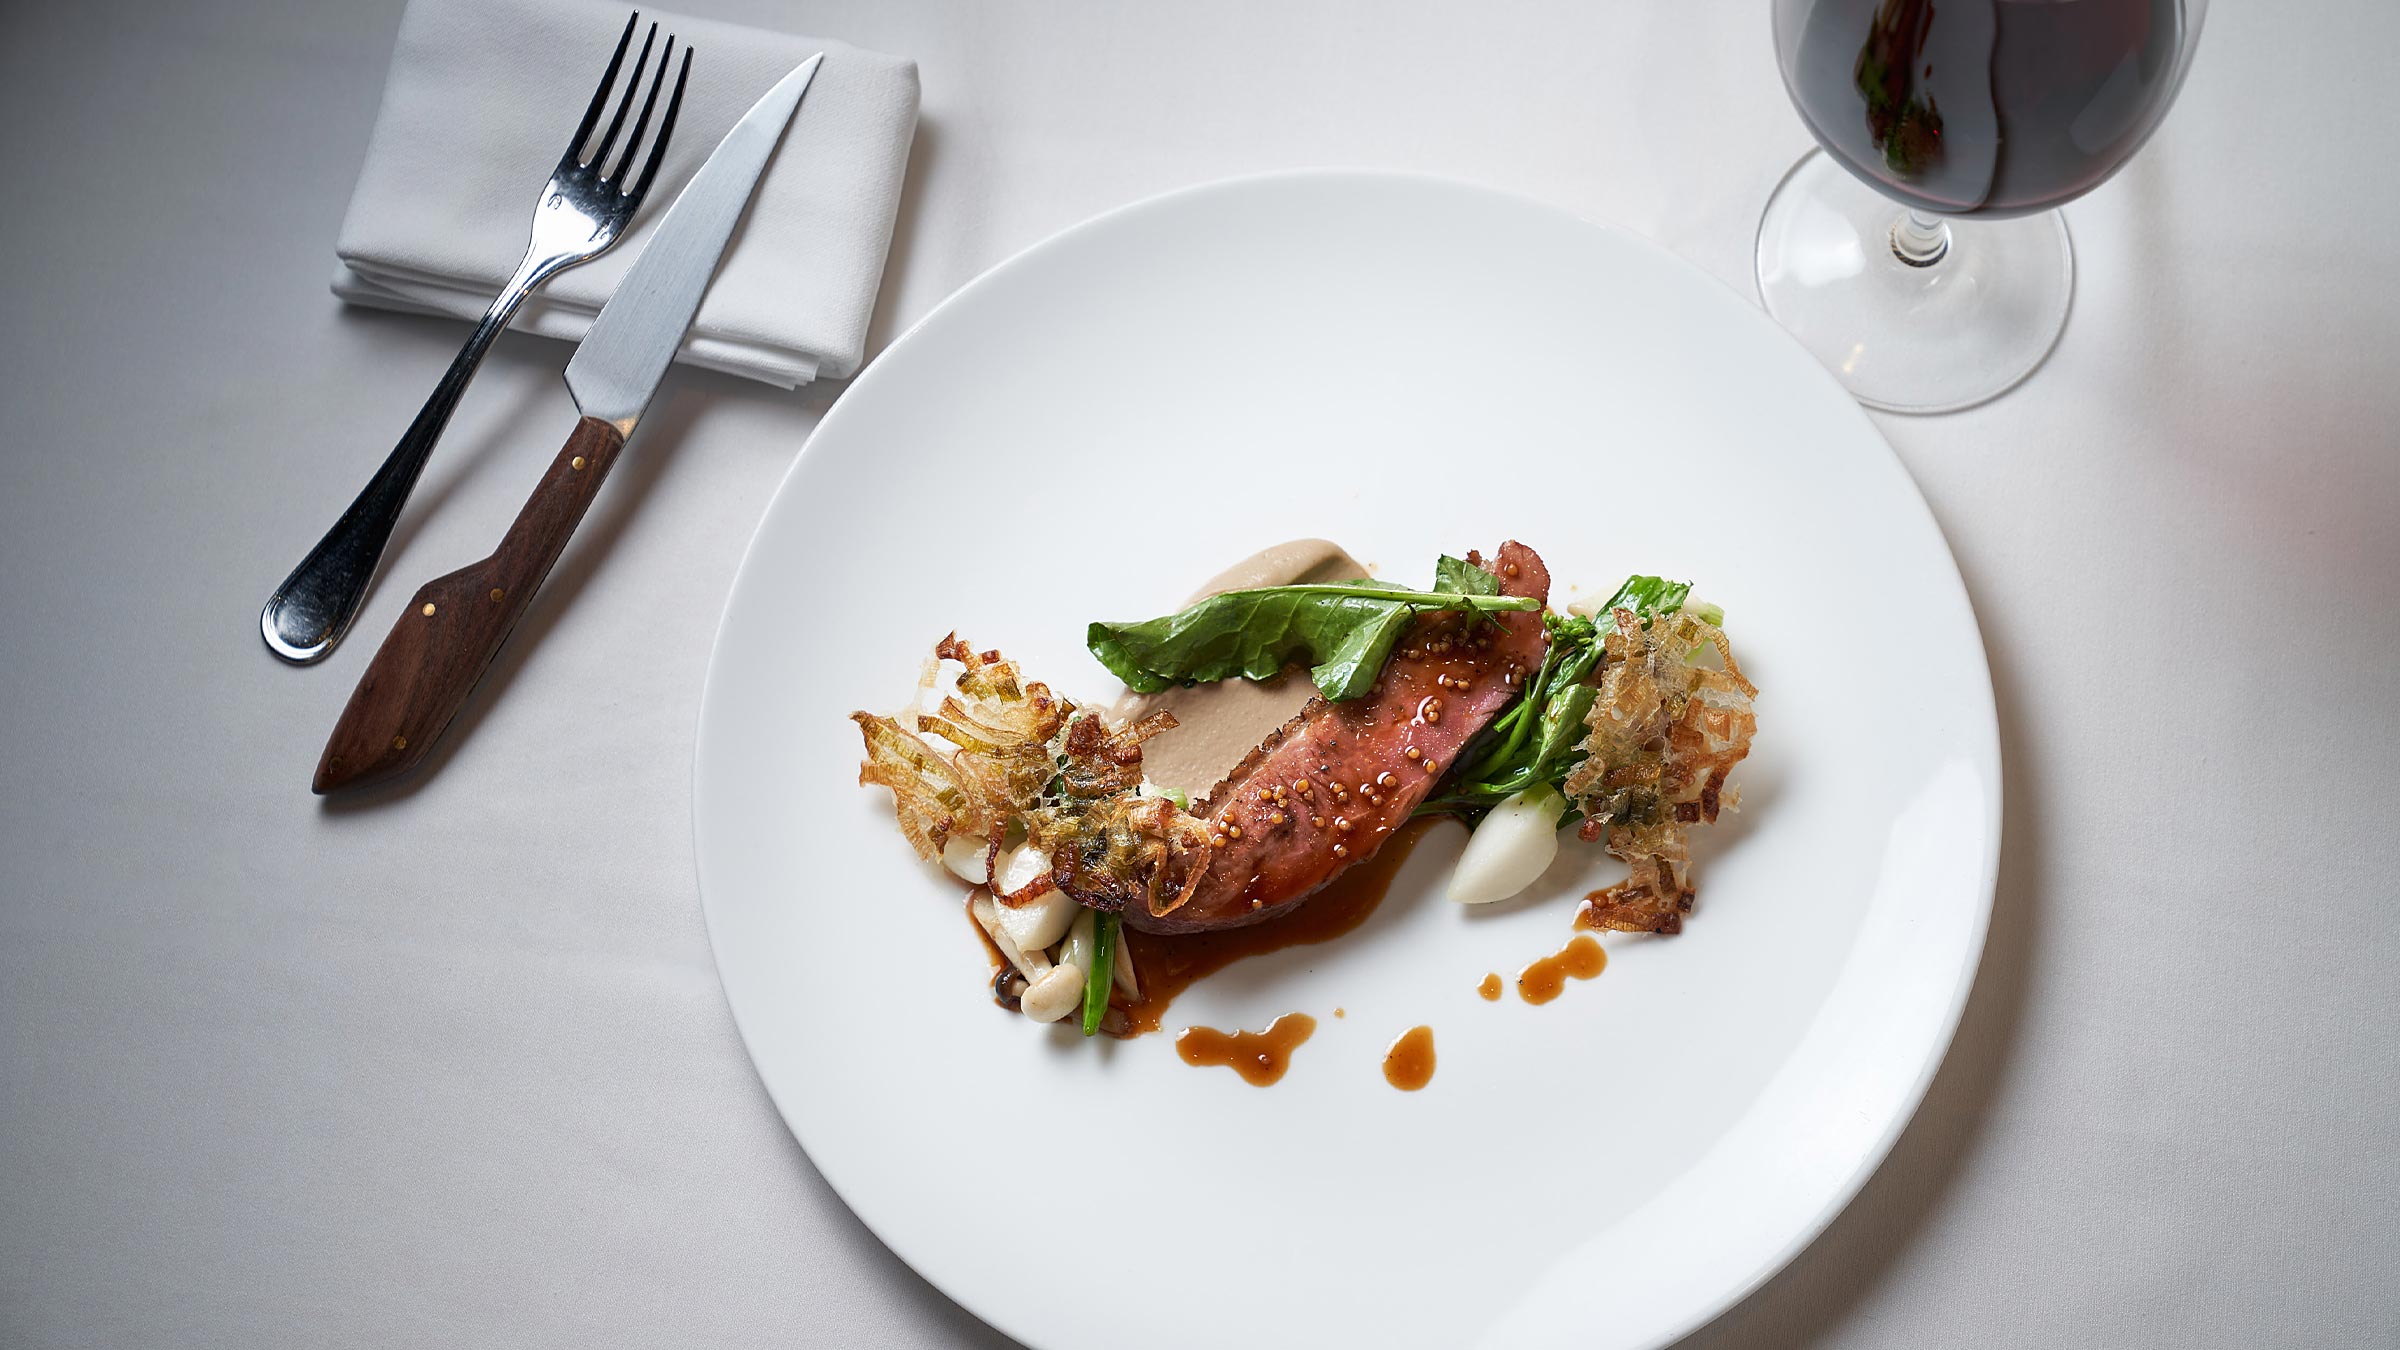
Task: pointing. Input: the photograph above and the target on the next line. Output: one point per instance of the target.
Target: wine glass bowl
(1919, 252)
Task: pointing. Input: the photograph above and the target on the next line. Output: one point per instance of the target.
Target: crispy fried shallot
(1665, 732)
(1020, 758)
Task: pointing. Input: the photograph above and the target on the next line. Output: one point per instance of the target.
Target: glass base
(1912, 314)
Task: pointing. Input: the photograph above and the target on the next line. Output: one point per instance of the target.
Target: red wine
(1982, 107)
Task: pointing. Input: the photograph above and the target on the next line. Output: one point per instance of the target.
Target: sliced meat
(1331, 785)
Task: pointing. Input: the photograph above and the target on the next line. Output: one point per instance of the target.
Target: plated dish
(1403, 366)
(1470, 699)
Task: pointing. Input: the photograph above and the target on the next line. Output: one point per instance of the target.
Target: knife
(455, 625)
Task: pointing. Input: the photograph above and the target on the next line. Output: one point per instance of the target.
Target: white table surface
(451, 1066)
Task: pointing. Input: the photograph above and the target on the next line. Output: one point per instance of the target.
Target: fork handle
(455, 625)
(309, 613)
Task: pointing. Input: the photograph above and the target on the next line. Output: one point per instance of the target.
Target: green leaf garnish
(1343, 631)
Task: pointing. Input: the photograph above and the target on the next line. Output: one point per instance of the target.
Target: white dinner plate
(1409, 367)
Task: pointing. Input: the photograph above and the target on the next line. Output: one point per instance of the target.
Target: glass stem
(1918, 239)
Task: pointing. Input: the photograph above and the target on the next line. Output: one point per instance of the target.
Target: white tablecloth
(451, 1066)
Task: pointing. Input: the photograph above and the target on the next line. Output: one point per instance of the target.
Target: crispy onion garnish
(930, 799)
(1105, 760)
(1110, 846)
(1126, 849)
(1001, 725)
(1029, 892)
(999, 728)
(1665, 733)
(1018, 757)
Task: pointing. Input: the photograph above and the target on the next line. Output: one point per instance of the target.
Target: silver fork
(583, 210)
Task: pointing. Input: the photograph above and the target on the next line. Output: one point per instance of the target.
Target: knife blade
(626, 352)
(456, 624)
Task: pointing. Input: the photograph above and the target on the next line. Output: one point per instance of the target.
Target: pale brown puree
(1217, 724)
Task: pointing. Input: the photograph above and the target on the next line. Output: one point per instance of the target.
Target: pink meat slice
(1327, 789)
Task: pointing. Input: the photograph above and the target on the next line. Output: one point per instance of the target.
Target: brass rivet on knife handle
(429, 665)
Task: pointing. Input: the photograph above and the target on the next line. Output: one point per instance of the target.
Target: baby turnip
(1515, 844)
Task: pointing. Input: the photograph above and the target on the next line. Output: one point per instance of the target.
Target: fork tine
(591, 115)
(666, 129)
(633, 143)
(625, 104)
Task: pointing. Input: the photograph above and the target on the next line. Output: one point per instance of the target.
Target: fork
(582, 211)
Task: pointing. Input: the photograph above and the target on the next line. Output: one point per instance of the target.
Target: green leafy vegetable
(1648, 597)
(1097, 980)
(1535, 739)
(1457, 576)
(1343, 630)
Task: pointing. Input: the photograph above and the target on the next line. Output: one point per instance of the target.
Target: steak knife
(455, 625)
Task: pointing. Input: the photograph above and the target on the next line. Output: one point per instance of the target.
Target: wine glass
(1919, 252)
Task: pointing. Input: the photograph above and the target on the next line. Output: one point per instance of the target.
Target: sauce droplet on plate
(1490, 988)
(1260, 1057)
(1545, 979)
(1408, 1065)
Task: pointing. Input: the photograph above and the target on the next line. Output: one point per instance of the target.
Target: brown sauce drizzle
(1166, 964)
(1542, 981)
(1260, 1057)
(1408, 1065)
(1490, 988)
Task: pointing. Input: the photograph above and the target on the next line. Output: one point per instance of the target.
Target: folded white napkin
(480, 102)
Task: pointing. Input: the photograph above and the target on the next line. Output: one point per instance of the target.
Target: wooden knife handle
(454, 626)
